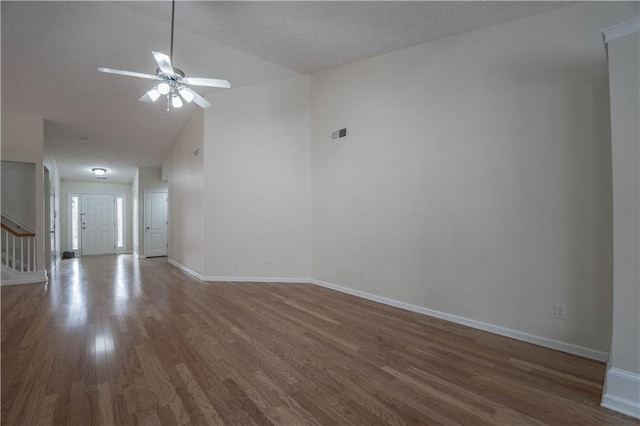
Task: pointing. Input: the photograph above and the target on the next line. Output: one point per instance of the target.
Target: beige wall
(256, 181)
(23, 140)
(67, 187)
(184, 172)
(18, 192)
(476, 179)
(22, 137)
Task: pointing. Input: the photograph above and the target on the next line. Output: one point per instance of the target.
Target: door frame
(144, 219)
(116, 195)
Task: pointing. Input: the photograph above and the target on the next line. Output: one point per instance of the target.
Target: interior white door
(155, 223)
(98, 224)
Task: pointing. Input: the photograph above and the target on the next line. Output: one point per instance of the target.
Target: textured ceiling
(50, 52)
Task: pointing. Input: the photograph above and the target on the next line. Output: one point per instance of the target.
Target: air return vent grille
(339, 134)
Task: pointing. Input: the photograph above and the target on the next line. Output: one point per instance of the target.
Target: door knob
(147, 228)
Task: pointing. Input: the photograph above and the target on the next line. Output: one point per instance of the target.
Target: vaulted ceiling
(51, 50)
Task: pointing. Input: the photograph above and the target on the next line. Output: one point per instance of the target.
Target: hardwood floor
(116, 340)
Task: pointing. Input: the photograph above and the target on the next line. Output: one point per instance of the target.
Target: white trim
(184, 268)
(503, 331)
(257, 279)
(622, 392)
(39, 276)
(56, 263)
(620, 30)
(239, 279)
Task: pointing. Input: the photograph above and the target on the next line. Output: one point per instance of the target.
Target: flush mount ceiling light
(172, 81)
(99, 171)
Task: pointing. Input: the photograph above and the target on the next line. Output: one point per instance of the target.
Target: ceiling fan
(172, 81)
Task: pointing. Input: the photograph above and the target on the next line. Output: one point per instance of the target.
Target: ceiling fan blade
(208, 82)
(202, 102)
(127, 73)
(164, 62)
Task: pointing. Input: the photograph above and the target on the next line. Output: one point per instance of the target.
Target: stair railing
(18, 249)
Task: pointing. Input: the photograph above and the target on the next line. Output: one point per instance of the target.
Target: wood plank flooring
(116, 340)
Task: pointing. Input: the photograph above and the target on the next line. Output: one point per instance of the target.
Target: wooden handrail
(17, 234)
(17, 224)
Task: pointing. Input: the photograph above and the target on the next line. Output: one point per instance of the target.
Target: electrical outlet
(362, 274)
(560, 311)
(236, 264)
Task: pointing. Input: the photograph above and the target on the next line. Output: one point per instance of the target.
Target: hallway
(120, 340)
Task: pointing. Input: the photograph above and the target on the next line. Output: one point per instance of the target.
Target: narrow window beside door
(74, 224)
(120, 222)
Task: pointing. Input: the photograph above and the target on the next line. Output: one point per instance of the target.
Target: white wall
(18, 192)
(23, 140)
(256, 181)
(148, 179)
(476, 179)
(185, 174)
(623, 378)
(67, 187)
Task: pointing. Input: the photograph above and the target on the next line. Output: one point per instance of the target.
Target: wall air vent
(196, 151)
(339, 134)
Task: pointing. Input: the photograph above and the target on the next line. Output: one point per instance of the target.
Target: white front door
(98, 224)
(155, 223)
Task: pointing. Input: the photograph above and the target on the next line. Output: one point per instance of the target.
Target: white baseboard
(26, 278)
(185, 269)
(210, 278)
(622, 392)
(258, 279)
(503, 331)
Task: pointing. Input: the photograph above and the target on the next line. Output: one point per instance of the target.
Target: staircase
(19, 248)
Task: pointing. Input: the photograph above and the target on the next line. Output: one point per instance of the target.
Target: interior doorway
(155, 223)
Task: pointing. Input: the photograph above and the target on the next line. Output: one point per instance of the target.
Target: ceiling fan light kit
(172, 81)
